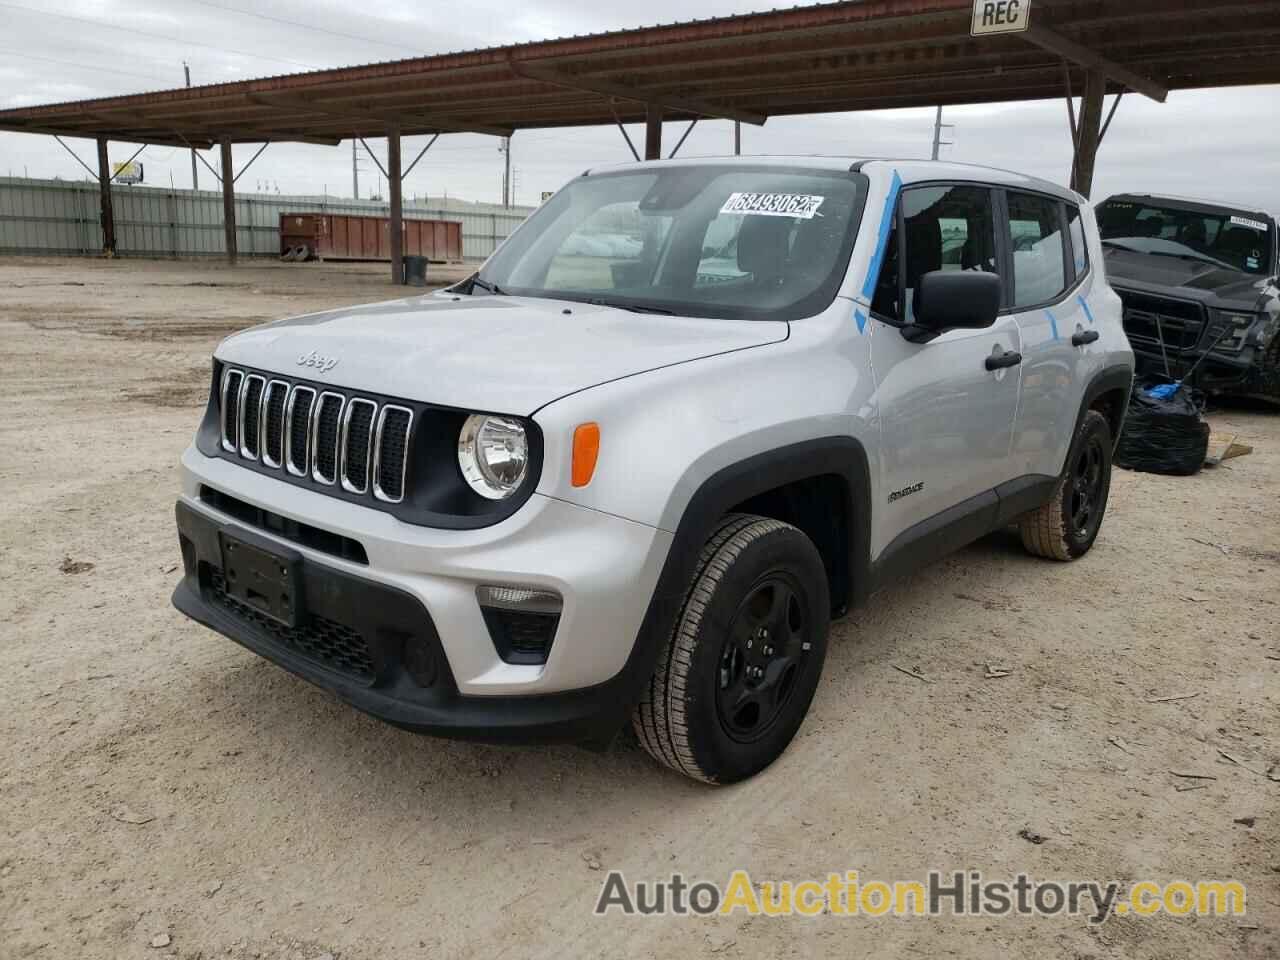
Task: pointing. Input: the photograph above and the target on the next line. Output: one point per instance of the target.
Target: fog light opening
(522, 621)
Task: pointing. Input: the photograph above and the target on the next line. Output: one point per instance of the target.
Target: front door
(946, 419)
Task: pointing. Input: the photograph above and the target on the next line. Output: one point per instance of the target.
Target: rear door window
(1079, 246)
(1035, 237)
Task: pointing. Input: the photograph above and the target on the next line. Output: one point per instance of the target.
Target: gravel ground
(160, 785)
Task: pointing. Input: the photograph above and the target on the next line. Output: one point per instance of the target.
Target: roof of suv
(1189, 203)
(911, 171)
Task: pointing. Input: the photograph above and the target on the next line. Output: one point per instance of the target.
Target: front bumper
(412, 609)
(1216, 373)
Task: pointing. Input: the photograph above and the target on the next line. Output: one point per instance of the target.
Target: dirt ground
(159, 784)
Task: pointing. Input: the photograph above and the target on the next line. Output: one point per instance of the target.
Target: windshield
(706, 241)
(1228, 238)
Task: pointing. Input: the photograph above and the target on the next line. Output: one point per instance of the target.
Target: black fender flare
(841, 456)
(1114, 377)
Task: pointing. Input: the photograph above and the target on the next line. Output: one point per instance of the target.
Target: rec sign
(1000, 16)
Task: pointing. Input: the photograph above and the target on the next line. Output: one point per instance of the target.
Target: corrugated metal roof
(858, 55)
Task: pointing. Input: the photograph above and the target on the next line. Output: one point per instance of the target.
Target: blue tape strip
(1087, 312)
(861, 318)
(882, 245)
(1053, 323)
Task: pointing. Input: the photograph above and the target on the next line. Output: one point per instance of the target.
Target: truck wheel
(735, 680)
(1066, 526)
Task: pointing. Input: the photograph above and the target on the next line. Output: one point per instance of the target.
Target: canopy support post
(652, 131)
(228, 202)
(104, 188)
(394, 180)
(1090, 131)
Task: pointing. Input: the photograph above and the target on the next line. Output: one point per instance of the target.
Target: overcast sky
(1221, 144)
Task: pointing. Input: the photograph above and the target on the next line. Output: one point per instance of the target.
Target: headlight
(493, 453)
(1236, 326)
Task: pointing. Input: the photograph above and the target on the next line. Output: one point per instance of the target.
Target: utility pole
(195, 179)
(737, 138)
(938, 127)
(355, 173)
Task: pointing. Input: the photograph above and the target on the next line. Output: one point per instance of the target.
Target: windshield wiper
(488, 287)
(632, 307)
(1189, 255)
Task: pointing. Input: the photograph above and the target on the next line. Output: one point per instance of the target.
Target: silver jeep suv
(631, 469)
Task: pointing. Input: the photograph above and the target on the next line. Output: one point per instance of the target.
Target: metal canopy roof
(860, 55)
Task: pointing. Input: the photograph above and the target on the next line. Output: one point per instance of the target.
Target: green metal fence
(60, 217)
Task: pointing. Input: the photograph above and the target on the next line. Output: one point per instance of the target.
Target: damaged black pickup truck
(1198, 279)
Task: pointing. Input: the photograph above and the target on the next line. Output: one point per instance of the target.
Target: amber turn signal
(586, 448)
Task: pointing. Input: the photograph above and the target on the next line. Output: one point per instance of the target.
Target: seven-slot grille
(328, 436)
(273, 408)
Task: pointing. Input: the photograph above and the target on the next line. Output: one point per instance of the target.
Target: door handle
(1010, 358)
(1084, 337)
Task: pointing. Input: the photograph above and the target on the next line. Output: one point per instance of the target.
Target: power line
(306, 26)
(156, 36)
(82, 66)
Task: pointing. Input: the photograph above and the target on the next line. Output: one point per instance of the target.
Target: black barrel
(415, 271)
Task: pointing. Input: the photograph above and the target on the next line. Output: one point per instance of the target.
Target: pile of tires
(298, 254)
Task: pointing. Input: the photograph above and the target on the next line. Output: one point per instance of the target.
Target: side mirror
(953, 300)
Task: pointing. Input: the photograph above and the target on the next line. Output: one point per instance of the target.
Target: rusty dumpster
(341, 236)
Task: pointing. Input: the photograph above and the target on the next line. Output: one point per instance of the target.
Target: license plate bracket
(263, 577)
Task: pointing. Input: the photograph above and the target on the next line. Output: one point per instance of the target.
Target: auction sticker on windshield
(798, 205)
(1251, 224)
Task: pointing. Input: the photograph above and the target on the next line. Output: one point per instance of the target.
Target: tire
(1066, 527)
(705, 713)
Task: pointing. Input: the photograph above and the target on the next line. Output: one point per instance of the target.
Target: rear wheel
(1066, 527)
(734, 682)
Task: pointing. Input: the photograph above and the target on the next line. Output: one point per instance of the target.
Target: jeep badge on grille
(321, 363)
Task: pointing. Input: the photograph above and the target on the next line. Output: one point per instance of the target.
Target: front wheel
(1066, 526)
(735, 680)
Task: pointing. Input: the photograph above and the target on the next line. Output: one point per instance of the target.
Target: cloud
(1212, 143)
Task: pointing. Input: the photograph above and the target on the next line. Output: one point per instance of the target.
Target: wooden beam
(304, 105)
(228, 202)
(104, 190)
(1056, 43)
(125, 136)
(608, 88)
(683, 137)
(653, 132)
(623, 130)
(397, 210)
(1095, 90)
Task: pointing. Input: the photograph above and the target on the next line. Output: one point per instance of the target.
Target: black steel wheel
(733, 684)
(1066, 527)
(762, 655)
(1087, 493)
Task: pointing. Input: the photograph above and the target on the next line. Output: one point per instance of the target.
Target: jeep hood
(490, 354)
(1185, 279)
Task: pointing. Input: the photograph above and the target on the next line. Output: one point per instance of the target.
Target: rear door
(946, 420)
(1048, 269)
